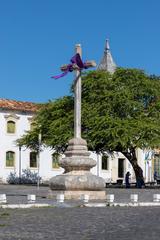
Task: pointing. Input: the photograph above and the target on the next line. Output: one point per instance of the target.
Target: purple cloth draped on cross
(76, 59)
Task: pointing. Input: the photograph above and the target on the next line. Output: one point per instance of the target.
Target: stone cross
(77, 179)
(77, 92)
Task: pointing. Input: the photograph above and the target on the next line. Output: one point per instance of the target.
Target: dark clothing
(155, 176)
(127, 180)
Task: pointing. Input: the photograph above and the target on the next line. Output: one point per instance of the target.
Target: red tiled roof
(18, 105)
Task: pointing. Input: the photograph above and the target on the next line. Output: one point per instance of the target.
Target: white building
(15, 119)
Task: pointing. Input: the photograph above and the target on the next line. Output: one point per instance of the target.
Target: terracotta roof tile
(19, 105)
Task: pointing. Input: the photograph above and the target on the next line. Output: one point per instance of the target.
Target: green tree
(120, 112)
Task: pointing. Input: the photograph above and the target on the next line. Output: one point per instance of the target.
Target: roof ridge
(19, 105)
(7, 99)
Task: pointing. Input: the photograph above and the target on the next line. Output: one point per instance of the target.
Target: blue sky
(38, 36)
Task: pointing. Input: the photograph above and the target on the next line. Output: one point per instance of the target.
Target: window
(11, 127)
(104, 162)
(10, 159)
(157, 164)
(55, 160)
(33, 159)
(120, 167)
(11, 120)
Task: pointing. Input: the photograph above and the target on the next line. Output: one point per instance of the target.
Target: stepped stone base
(77, 179)
(76, 195)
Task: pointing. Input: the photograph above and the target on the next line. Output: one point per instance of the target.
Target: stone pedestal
(77, 195)
(77, 178)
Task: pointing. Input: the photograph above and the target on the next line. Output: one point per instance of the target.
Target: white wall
(7, 143)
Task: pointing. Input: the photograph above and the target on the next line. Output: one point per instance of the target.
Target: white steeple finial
(107, 63)
(107, 45)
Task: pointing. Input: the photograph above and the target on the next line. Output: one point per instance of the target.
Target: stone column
(77, 99)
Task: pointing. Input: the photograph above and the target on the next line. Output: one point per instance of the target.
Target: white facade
(146, 159)
(110, 170)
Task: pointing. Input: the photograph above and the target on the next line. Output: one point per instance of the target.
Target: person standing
(127, 179)
(155, 177)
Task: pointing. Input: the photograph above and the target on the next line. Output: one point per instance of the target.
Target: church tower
(107, 63)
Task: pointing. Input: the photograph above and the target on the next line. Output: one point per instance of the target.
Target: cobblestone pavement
(17, 193)
(73, 223)
(80, 224)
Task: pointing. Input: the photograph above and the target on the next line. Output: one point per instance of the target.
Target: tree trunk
(131, 156)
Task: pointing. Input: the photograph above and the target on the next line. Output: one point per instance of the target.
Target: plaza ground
(68, 221)
(80, 223)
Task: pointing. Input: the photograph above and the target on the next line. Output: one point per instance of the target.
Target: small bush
(12, 178)
(27, 177)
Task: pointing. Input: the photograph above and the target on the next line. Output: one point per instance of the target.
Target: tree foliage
(55, 123)
(120, 112)
(123, 110)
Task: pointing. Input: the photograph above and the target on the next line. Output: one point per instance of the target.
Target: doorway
(121, 167)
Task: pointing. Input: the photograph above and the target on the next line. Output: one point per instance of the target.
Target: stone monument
(77, 179)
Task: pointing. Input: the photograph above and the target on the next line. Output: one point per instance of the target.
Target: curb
(41, 205)
(140, 204)
(35, 205)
